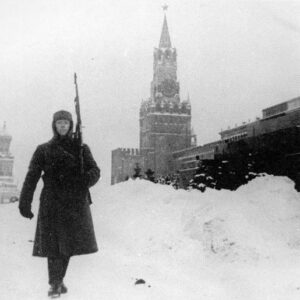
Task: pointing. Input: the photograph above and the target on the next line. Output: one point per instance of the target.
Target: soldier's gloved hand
(26, 212)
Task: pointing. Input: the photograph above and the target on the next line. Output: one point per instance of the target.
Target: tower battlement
(128, 151)
(165, 106)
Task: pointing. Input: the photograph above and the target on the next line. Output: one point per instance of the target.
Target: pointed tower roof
(3, 131)
(165, 41)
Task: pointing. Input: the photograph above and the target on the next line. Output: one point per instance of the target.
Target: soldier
(64, 224)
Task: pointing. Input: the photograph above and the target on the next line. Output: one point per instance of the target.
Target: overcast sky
(234, 59)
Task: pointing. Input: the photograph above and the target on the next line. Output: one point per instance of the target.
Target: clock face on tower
(169, 88)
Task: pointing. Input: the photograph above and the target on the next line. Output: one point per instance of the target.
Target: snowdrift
(259, 221)
(251, 223)
(177, 244)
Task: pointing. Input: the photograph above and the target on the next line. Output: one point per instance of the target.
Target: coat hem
(73, 254)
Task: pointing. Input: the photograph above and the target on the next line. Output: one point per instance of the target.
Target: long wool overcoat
(64, 225)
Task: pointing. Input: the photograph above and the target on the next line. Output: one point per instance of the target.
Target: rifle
(78, 131)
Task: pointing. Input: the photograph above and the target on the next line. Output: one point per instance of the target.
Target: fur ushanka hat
(62, 115)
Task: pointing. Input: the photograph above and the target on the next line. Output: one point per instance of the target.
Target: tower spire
(165, 41)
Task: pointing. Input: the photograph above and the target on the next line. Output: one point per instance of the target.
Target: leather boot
(55, 290)
(63, 288)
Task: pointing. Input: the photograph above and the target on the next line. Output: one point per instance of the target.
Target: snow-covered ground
(217, 245)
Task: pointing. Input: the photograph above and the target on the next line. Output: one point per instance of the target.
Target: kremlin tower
(164, 120)
(8, 189)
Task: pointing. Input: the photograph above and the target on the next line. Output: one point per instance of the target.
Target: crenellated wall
(124, 162)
